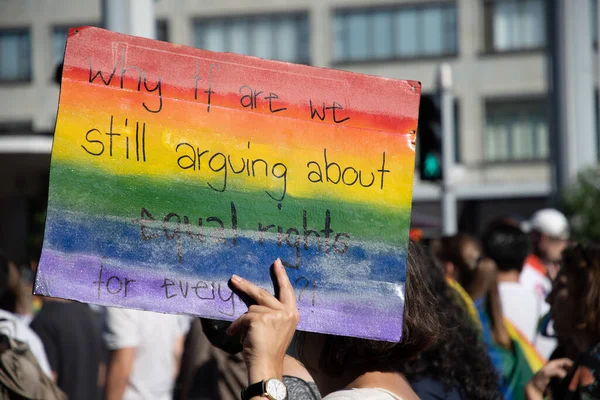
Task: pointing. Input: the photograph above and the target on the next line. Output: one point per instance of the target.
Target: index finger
(564, 363)
(286, 291)
(261, 296)
(559, 367)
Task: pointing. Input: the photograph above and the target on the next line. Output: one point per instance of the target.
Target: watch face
(276, 389)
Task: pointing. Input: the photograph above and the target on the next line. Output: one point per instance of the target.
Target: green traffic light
(432, 166)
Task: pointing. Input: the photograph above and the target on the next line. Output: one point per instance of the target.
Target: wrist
(272, 389)
(533, 392)
(540, 383)
(263, 372)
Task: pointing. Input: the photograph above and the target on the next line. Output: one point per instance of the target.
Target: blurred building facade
(497, 50)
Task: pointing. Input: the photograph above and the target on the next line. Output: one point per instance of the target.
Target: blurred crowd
(512, 314)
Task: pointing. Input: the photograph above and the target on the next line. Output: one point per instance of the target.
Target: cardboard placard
(173, 168)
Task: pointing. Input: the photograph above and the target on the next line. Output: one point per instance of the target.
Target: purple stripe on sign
(108, 282)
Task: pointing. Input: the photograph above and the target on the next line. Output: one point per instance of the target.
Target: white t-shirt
(154, 336)
(521, 307)
(13, 327)
(362, 394)
(534, 279)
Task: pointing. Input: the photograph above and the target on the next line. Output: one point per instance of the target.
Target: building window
(396, 32)
(15, 55)
(162, 30)
(59, 43)
(276, 37)
(515, 25)
(516, 130)
(16, 128)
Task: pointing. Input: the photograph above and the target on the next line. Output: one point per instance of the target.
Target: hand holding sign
(268, 327)
(174, 168)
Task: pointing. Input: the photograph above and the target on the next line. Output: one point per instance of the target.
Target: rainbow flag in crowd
(515, 366)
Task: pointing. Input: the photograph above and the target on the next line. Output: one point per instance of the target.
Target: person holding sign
(342, 367)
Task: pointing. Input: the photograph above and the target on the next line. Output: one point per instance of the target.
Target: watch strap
(256, 389)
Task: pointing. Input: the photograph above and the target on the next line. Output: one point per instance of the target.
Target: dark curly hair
(421, 328)
(461, 360)
(581, 266)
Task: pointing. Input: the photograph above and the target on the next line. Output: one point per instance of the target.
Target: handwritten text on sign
(173, 168)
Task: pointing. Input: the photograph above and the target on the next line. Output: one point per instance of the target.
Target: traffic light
(429, 139)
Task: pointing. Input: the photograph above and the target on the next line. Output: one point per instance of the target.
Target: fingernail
(236, 278)
(278, 263)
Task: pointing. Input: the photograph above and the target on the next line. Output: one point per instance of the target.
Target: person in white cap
(549, 230)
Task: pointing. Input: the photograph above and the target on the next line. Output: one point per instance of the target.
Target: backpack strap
(11, 322)
(20, 374)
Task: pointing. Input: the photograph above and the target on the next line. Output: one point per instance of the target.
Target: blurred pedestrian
(145, 353)
(10, 324)
(508, 246)
(212, 367)
(458, 367)
(549, 231)
(575, 309)
(74, 346)
(463, 259)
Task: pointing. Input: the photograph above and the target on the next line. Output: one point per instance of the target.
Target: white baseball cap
(550, 222)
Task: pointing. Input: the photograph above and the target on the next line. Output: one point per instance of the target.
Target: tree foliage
(582, 205)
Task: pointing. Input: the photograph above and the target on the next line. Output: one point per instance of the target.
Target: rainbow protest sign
(173, 168)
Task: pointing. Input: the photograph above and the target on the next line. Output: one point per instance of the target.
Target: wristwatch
(272, 388)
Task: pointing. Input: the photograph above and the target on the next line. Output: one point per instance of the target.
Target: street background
(510, 87)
